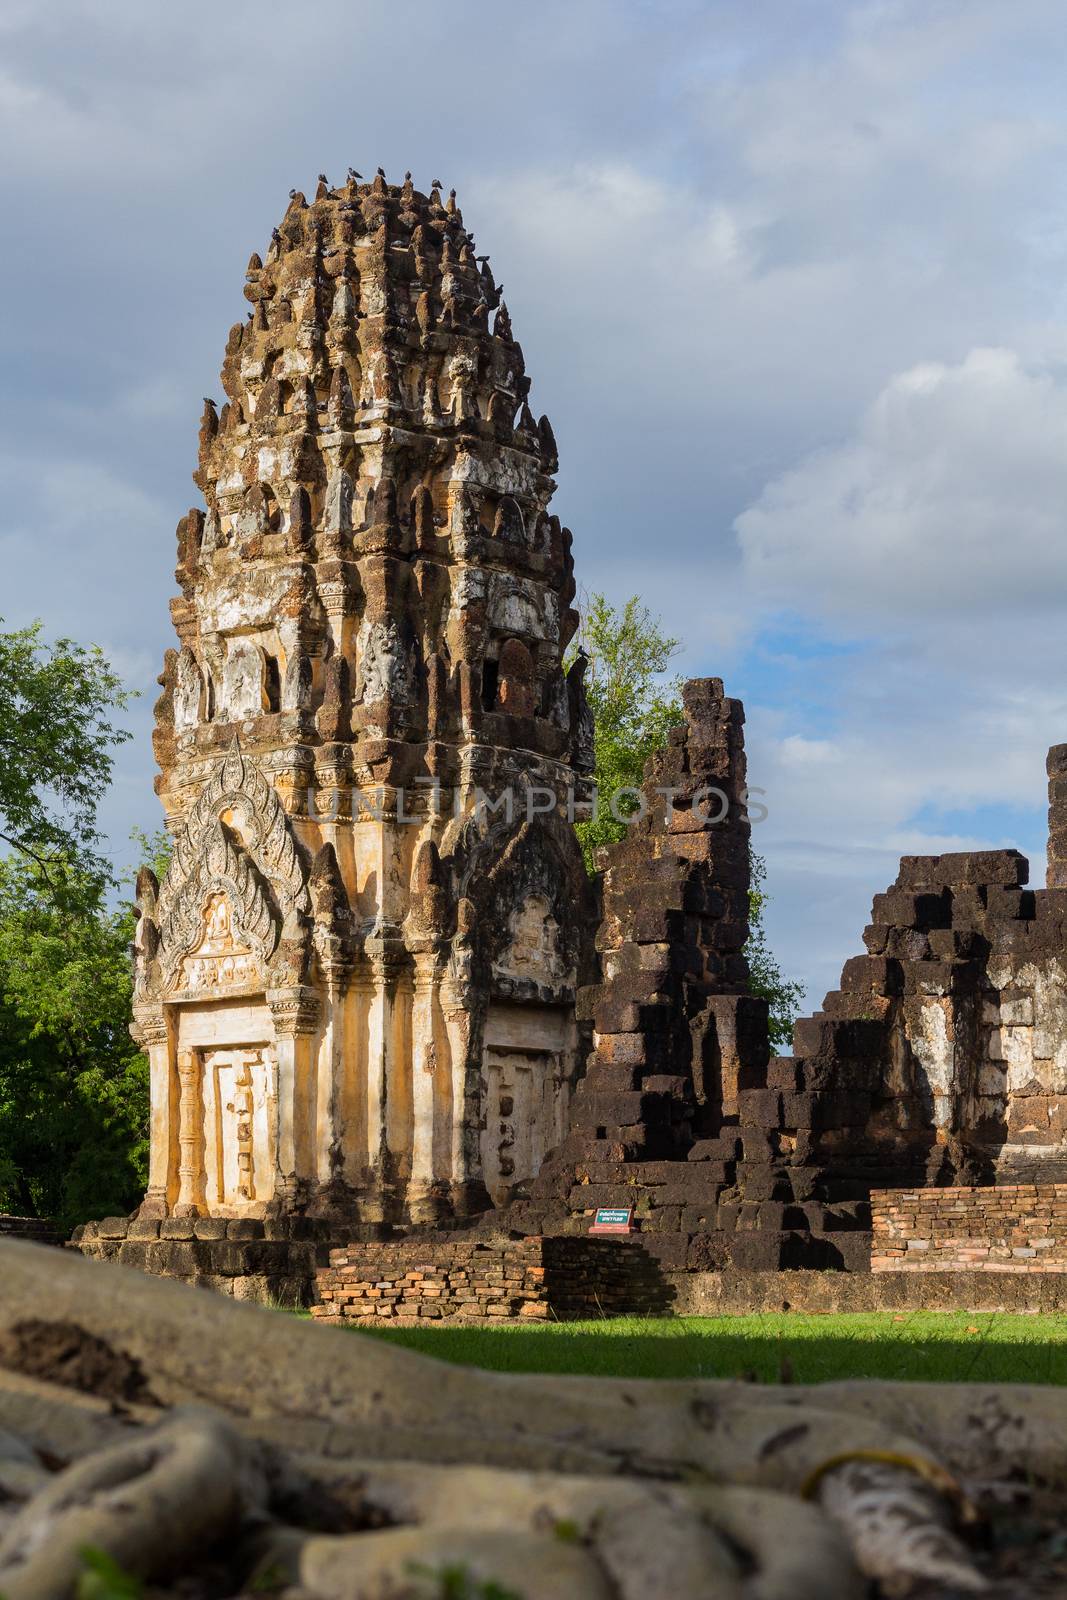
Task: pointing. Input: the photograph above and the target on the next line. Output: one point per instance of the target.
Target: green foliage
(635, 703)
(273, 1578)
(101, 1578)
(73, 1086)
(56, 739)
(457, 1583)
(155, 850)
(783, 998)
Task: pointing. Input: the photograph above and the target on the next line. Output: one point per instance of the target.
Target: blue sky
(791, 282)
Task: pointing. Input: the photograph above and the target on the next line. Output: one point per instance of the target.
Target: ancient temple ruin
(382, 998)
(356, 982)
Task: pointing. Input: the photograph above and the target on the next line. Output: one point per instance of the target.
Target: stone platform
(32, 1230)
(560, 1279)
(474, 1279)
(266, 1261)
(737, 1294)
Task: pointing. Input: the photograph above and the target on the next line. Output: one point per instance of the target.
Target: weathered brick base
(734, 1294)
(1018, 1227)
(34, 1230)
(534, 1278)
(266, 1261)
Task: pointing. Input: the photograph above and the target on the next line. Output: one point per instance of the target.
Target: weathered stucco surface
(356, 986)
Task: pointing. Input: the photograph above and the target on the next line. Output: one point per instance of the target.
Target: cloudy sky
(791, 281)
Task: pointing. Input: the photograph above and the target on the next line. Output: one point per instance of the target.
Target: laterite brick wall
(1016, 1227)
(34, 1230)
(535, 1278)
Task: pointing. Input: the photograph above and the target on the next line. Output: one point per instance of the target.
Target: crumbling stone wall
(535, 1279)
(1017, 1227)
(34, 1230)
(677, 1036)
(943, 1056)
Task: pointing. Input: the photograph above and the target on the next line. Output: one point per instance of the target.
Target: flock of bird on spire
(357, 177)
(435, 188)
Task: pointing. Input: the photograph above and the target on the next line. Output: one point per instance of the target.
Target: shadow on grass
(977, 1348)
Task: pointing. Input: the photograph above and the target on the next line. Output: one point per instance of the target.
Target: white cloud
(752, 254)
(951, 497)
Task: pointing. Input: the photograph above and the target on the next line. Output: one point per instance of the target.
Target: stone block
(755, 1252)
(143, 1228)
(669, 1250)
(1008, 868)
(784, 1072)
(763, 1107)
(243, 1228)
(872, 974)
(726, 1147)
(899, 909)
(1009, 905)
(113, 1228)
(134, 1253)
(648, 1051)
(173, 1258)
(209, 1227)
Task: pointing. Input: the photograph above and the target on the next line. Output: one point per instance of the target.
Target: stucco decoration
(221, 917)
(384, 664)
(238, 844)
(187, 692)
(242, 680)
(534, 948)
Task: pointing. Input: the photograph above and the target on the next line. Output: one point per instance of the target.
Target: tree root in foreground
(314, 1463)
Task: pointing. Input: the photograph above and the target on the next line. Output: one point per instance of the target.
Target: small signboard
(613, 1219)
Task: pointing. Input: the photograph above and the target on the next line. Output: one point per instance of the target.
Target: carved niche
(235, 885)
(533, 950)
(188, 690)
(385, 666)
(242, 680)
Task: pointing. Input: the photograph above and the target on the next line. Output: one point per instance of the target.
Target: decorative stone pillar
(424, 1186)
(1056, 767)
(150, 1030)
(190, 1137)
(329, 1090)
(467, 1187)
(243, 1110)
(387, 967)
(295, 1013)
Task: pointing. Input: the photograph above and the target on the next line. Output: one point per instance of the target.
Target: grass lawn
(961, 1346)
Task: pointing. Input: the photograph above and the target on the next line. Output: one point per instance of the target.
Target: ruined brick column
(367, 975)
(1056, 767)
(677, 1035)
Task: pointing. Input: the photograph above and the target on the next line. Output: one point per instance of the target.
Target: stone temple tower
(356, 982)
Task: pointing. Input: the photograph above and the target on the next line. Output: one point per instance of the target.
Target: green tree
(73, 1086)
(57, 734)
(784, 998)
(635, 702)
